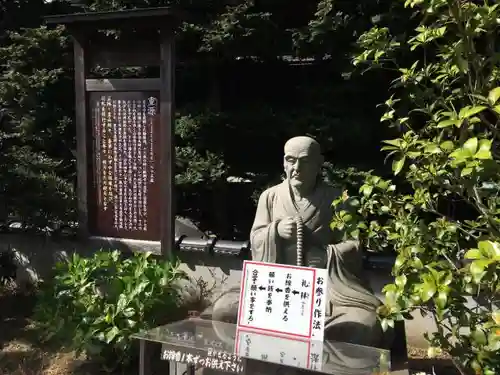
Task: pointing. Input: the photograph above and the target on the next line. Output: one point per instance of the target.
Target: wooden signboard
(125, 126)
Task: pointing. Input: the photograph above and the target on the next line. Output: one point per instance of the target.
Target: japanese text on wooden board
(125, 158)
(217, 360)
(283, 299)
(306, 354)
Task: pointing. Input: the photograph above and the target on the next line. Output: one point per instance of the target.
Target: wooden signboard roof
(143, 17)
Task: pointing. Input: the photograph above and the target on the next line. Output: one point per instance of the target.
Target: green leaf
(460, 155)
(483, 155)
(432, 148)
(473, 254)
(478, 266)
(441, 299)
(450, 122)
(417, 263)
(354, 202)
(345, 216)
(479, 337)
(400, 260)
(448, 278)
(413, 154)
(495, 315)
(388, 115)
(466, 171)
(398, 164)
(484, 152)
(111, 334)
(494, 95)
(428, 290)
(401, 281)
(362, 225)
(394, 142)
(378, 54)
(489, 249)
(366, 190)
(469, 111)
(384, 324)
(122, 303)
(447, 145)
(471, 145)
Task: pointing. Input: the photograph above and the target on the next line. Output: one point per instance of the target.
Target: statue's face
(302, 163)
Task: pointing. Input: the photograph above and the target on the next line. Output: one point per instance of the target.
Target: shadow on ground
(16, 310)
(439, 366)
(22, 352)
(21, 362)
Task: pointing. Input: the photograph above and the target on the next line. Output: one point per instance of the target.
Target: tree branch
(474, 194)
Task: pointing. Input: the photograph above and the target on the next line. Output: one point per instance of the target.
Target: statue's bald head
(303, 144)
(303, 160)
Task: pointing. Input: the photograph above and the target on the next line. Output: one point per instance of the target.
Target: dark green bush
(93, 305)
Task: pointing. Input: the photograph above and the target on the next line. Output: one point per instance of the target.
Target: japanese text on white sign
(217, 360)
(283, 299)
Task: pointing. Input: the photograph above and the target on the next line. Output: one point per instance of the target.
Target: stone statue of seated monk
(351, 306)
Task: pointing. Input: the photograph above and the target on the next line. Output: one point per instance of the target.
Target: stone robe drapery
(351, 306)
(276, 204)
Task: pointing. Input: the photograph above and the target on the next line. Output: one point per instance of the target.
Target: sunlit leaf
(489, 249)
(471, 145)
(428, 290)
(466, 171)
(477, 267)
(447, 145)
(495, 315)
(473, 254)
(393, 142)
(469, 111)
(494, 95)
(450, 122)
(432, 148)
(401, 281)
(398, 164)
(484, 152)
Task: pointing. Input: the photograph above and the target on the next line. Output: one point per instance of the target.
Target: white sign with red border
(282, 299)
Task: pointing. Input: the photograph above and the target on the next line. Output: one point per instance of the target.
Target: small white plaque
(305, 354)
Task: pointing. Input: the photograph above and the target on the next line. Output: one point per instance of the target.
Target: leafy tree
(440, 213)
(35, 147)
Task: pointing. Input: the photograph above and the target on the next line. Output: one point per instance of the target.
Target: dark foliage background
(259, 73)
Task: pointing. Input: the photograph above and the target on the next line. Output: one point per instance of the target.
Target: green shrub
(441, 212)
(93, 305)
(348, 178)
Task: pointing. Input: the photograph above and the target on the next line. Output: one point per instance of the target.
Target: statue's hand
(287, 228)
